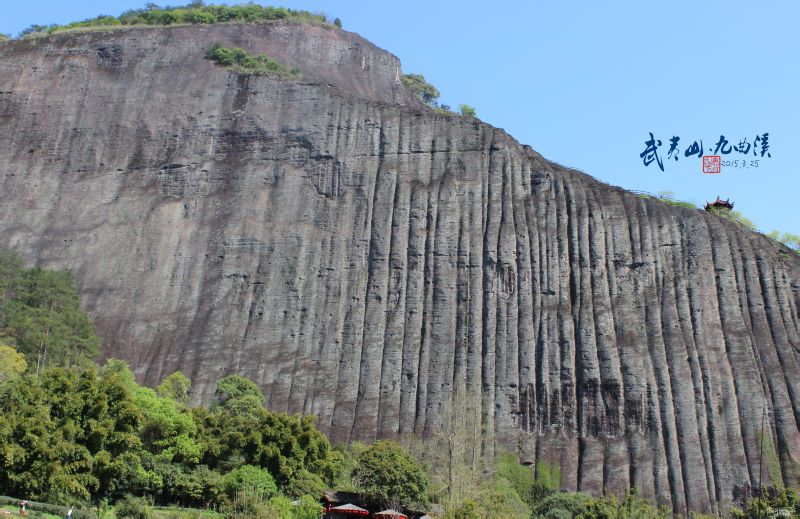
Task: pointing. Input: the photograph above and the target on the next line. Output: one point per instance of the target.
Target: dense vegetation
(241, 61)
(193, 13)
(93, 434)
(40, 317)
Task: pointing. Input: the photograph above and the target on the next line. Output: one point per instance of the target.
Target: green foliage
(548, 481)
(304, 483)
(771, 464)
(45, 509)
(5, 37)
(467, 110)
(241, 61)
(40, 313)
(417, 85)
(131, 507)
(234, 387)
(668, 197)
(502, 501)
(194, 13)
(36, 29)
(246, 505)
(734, 216)
(519, 476)
(167, 431)
(308, 507)
(92, 434)
(63, 435)
(497, 500)
(343, 461)
(175, 387)
(388, 475)
(773, 500)
(12, 363)
(790, 240)
(337, 22)
(679, 203)
(632, 507)
(248, 478)
(560, 504)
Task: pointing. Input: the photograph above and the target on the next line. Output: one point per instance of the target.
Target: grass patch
(194, 13)
(241, 61)
(31, 513)
(771, 465)
(171, 512)
(679, 203)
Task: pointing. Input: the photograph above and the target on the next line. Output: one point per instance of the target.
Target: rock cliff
(384, 267)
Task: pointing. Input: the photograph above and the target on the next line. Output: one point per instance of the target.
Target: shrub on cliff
(240, 60)
(467, 110)
(417, 85)
(734, 216)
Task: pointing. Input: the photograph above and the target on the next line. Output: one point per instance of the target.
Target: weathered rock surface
(381, 266)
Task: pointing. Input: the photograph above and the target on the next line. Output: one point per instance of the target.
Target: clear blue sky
(585, 82)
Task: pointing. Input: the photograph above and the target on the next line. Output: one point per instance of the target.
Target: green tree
(235, 387)
(790, 240)
(304, 482)
(562, 504)
(11, 267)
(131, 507)
(168, 431)
(308, 507)
(250, 479)
(417, 85)
(175, 387)
(41, 312)
(388, 475)
(467, 110)
(12, 363)
(632, 507)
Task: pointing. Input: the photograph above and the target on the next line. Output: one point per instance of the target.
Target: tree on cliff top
(417, 85)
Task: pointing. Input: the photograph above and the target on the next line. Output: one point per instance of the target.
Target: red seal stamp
(711, 164)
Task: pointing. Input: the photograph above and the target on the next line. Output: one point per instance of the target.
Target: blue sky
(585, 82)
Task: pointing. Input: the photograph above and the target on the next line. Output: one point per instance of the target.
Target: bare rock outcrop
(382, 266)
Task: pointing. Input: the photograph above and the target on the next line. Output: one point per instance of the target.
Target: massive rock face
(384, 267)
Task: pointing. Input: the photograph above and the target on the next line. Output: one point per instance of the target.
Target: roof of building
(350, 509)
(720, 203)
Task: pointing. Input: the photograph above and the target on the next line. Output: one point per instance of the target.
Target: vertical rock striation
(384, 267)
